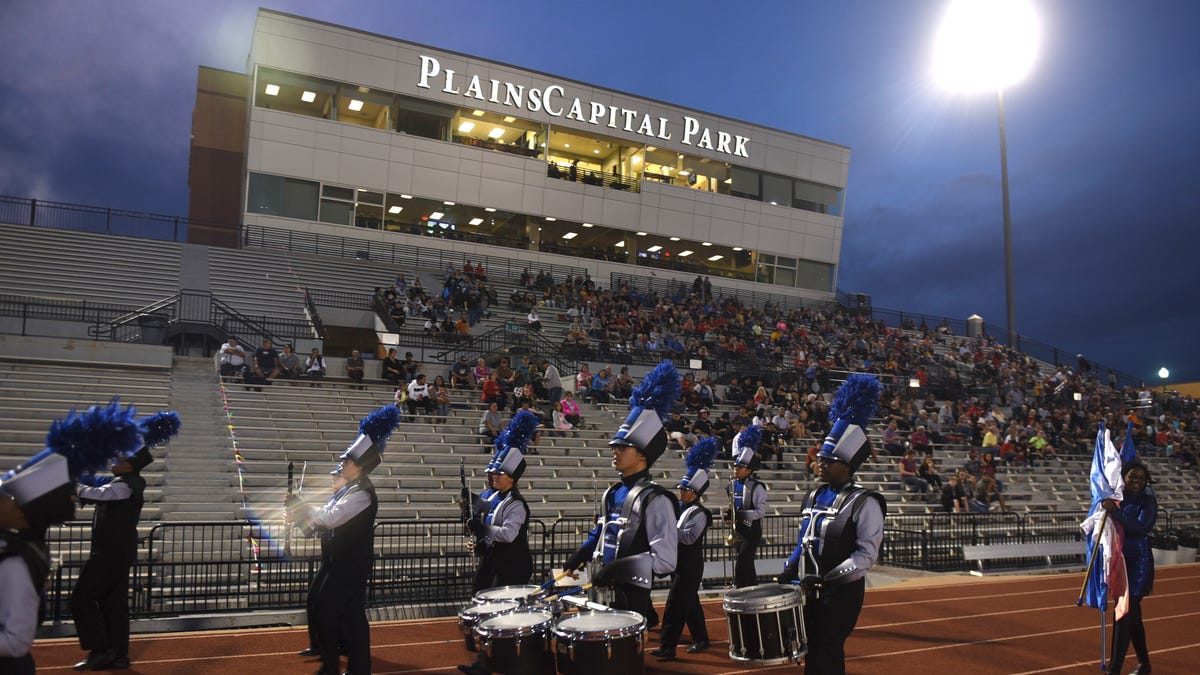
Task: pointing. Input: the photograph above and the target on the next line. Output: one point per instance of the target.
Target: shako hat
(745, 447)
(851, 409)
(373, 432)
(511, 444)
(697, 463)
(649, 405)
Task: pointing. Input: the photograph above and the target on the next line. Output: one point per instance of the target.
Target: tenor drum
(517, 643)
(472, 615)
(766, 624)
(600, 643)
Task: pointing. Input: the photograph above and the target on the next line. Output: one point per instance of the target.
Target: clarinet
(464, 503)
(287, 537)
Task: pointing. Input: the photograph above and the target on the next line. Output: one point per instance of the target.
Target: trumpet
(733, 538)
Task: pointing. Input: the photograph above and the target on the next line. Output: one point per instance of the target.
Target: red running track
(958, 624)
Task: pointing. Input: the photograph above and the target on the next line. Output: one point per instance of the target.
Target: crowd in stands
(448, 313)
(1007, 408)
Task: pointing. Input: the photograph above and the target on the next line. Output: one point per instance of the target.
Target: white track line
(1093, 662)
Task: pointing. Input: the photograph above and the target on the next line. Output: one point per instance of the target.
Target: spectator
(680, 431)
(954, 497)
(623, 384)
(314, 365)
(919, 441)
(481, 372)
(560, 420)
(552, 381)
(770, 446)
(354, 368)
(460, 374)
(929, 473)
(440, 395)
(233, 359)
(601, 390)
(418, 396)
(492, 391)
(289, 363)
(490, 426)
(909, 476)
(392, 370)
(411, 367)
(504, 374)
(893, 443)
(583, 379)
(571, 410)
(532, 320)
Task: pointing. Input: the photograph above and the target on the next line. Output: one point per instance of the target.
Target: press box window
(280, 196)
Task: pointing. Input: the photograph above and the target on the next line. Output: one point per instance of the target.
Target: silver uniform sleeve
(758, 505)
(340, 512)
(111, 492)
(866, 550)
(511, 517)
(18, 608)
(692, 525)
(662, 533)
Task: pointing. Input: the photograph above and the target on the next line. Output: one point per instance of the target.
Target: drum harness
(826, 514)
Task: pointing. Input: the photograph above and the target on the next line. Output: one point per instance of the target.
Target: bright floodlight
(1164, 373)
(985, 45)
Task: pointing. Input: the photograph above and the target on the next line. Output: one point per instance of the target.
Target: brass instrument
(733, 538)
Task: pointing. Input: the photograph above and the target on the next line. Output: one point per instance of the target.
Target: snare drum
(516, 643)
(515, 593)
(766, 624)
(600, 643)
(472, 615)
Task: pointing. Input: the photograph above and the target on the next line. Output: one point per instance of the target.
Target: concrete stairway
(200, 478)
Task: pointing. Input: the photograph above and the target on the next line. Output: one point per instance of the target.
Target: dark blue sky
(1103, 139)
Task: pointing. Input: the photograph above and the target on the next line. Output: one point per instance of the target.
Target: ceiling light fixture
(706, 243)
(475, 221)
(570, 235)
(640, 234)
(510, 119)
(308, 96)
(674, 238)
(490, 210)
(396, 209)
(477, 113)
(550, 219)
(684, 254)
(271, 90)
(620, 244)
(714, 258)
(466, 127)
(588, 225)
(737, 248)
(654, 249)
(355, 105)
(448, 203)
(405, 196)
(437, 215)
(496, 132)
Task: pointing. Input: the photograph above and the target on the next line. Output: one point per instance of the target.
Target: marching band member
(348, 522)
(840, 532)
(500, 517)
(683, 603)
(749, 499)
(1136, 513)
(100, 601)
(636, 536)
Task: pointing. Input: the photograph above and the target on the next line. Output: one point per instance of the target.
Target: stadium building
(338, 131)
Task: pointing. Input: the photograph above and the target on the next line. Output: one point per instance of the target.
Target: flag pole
(1103, 637)
(1092, 563)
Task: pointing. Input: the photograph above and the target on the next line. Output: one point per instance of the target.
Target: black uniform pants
(339, 607)
(744, 573)
(635, 599)
(100, 603)
(828, 621)
(1129, 628)
(683, 607)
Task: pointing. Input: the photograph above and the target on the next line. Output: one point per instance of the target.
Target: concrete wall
(67, 350)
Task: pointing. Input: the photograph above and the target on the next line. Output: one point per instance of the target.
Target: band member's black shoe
(664, 653)
(98, 659)
(308, 651)
(697, 647)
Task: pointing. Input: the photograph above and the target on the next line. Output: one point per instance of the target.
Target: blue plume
(658, 390)
(856, 399)
(379, 424)
(521, 430)
(92, 439)
(159, 427)
(702, 454)
(501, 440)
(751, 435)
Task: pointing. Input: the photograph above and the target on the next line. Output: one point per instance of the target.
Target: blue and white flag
(1128, 449)
(1107, 573)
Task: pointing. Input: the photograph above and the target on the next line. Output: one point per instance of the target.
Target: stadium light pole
(989, 45)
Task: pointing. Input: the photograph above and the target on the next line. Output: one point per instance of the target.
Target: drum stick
(570, 591)
(546, 586)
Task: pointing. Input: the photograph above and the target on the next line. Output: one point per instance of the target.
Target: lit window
(271, 90)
